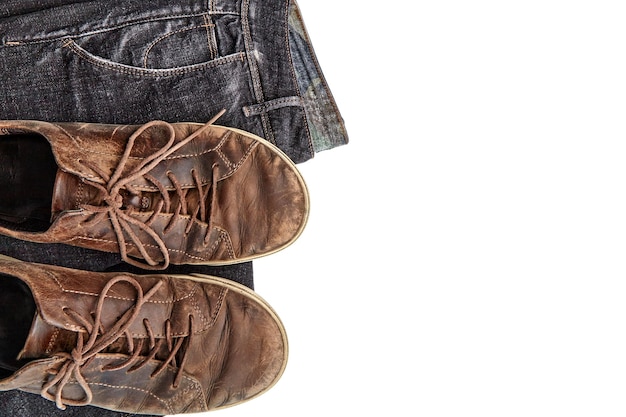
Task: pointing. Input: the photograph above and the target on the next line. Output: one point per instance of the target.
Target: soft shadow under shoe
(160, 193)
(147, 344)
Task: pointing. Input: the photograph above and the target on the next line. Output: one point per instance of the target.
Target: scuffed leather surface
(237, 351)
(261, 206)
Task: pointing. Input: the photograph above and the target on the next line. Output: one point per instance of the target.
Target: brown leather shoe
(151, 344)
(180, 193)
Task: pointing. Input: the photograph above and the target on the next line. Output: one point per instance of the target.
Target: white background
(465, 252)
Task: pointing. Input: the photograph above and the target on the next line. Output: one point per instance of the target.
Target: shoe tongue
(45, 339)
(69, 193)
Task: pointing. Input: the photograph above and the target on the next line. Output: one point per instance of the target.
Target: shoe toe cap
(264, 205)
(255, 352)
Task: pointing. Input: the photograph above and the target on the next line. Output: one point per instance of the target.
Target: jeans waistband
(32, 21)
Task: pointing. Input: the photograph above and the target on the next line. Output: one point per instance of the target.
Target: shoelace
(121, 218)
(99, 339)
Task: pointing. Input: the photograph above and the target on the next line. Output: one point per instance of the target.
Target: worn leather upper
(162, 193)
(200, 342)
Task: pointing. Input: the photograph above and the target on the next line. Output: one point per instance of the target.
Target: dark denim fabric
(131, 61)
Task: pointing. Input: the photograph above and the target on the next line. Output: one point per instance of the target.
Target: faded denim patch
(324, 120)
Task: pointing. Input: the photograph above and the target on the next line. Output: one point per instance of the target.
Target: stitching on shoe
(147, 244)
(223, 237)
(166, 403)
(245, 156)
(53, 276)
(140, 158)
(194, 386)
(234, 167)
(191, 155)
(79, 194)
(218, 307)
(197, 309)
(203, 316)
(253, 69)
(230, 246)
(217, 149)
(209, 322)
(53, 339)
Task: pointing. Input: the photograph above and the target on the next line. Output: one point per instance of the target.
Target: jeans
(129, 62)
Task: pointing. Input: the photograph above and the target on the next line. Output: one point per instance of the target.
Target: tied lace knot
(115, 202)
(121, 217)
(100, 339)
(77, 357)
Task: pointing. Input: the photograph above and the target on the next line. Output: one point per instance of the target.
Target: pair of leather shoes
(157, 194)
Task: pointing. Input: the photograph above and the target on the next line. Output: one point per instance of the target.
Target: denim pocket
(155, 47)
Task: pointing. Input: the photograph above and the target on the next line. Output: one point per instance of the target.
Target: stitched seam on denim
(210, 36)
(247, 35)
(206, 26)
(293, 76)
(254, 69)
(17, 42)
(256, 109)
(161, 38)
(317, 67)
(159, 72)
